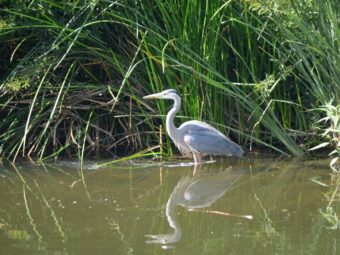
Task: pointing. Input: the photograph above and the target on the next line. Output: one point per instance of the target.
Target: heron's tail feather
(234, 149)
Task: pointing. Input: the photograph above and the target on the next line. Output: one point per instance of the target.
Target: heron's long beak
(152, 96)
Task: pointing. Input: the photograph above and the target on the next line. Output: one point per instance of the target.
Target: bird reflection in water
(194, 192)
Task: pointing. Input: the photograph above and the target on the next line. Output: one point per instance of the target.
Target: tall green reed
(64, 62)
(311, 42)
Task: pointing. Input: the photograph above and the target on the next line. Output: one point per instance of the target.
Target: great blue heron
(196, 137)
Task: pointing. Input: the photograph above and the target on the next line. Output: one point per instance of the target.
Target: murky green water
(164, 209)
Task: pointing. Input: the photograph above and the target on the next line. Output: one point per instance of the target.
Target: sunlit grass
(73, 74)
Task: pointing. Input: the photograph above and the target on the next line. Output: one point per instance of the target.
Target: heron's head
(165, 94)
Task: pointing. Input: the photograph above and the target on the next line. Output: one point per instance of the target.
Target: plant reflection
(332, 196)
(194, 192)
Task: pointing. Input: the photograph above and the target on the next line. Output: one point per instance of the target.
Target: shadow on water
(145, 207)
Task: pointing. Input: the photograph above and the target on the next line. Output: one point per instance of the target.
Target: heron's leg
(197, 169)
(197, 158)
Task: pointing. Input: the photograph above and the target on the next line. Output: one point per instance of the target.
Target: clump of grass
(234, 63)
(16, 85)
(308, 46)
(73, 74)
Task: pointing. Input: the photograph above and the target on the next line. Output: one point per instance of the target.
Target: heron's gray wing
(210, 141)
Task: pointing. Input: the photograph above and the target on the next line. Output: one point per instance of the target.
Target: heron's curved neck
(170, 125)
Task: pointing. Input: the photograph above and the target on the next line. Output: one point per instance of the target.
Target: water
(152, 208)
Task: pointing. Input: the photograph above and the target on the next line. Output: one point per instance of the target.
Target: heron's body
(196, 137)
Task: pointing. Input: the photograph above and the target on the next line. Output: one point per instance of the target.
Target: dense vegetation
(73, 73)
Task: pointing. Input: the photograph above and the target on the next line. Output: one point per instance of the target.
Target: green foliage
(313, 45)
(254, 69)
